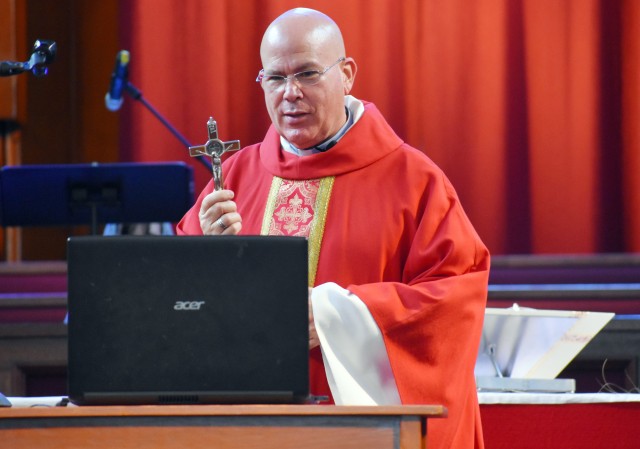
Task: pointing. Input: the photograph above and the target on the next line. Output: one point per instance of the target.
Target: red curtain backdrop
(531, 107)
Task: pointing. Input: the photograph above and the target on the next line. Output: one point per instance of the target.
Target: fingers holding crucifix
(219, 214)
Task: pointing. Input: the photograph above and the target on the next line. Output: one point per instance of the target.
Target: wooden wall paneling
(12, 108)
(96, 48)
(68, 122)
(12, 48)
(49, 133)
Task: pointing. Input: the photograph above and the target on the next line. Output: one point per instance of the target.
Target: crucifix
(214, 148)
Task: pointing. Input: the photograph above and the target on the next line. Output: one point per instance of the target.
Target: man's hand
(314, 341)
(219, 214)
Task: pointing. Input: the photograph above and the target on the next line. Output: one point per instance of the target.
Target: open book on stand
(525, 349)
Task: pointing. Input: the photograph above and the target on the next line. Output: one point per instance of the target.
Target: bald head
(312, 30)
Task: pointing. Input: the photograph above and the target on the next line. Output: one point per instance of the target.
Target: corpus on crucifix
(215, 148)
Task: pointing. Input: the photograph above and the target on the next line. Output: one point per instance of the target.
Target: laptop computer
(197, 319)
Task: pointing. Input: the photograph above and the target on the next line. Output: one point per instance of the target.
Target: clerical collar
(354, 110)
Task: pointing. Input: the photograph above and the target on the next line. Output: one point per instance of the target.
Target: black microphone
(119, 79)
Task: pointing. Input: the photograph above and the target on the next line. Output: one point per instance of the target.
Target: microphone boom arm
(137, 95)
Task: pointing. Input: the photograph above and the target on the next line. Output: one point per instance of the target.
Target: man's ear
(349, 70)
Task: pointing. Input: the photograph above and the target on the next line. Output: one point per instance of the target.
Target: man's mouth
(295, 113)
(294, 116)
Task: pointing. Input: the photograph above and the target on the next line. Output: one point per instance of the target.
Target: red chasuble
(384, 222)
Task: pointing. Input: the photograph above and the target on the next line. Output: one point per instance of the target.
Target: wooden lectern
(218, 426)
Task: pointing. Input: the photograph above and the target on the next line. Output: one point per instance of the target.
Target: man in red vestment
(399, 275)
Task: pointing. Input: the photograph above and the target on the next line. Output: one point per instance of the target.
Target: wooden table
(217, 426)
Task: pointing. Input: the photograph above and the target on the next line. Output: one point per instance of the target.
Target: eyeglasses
(306, 78)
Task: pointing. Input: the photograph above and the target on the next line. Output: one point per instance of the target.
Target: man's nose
(292, 88)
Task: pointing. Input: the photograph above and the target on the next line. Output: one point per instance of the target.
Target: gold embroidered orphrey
(214, 148)
(319, 211)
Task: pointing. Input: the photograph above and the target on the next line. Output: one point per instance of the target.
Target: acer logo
(188, 305)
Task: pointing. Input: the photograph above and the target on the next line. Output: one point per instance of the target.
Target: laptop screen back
(188, 319)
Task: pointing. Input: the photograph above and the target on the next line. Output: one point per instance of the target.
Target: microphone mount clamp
(43, 53)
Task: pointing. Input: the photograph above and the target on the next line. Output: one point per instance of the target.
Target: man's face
(305, 115)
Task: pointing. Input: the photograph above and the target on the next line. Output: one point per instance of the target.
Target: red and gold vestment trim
(299, 208)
